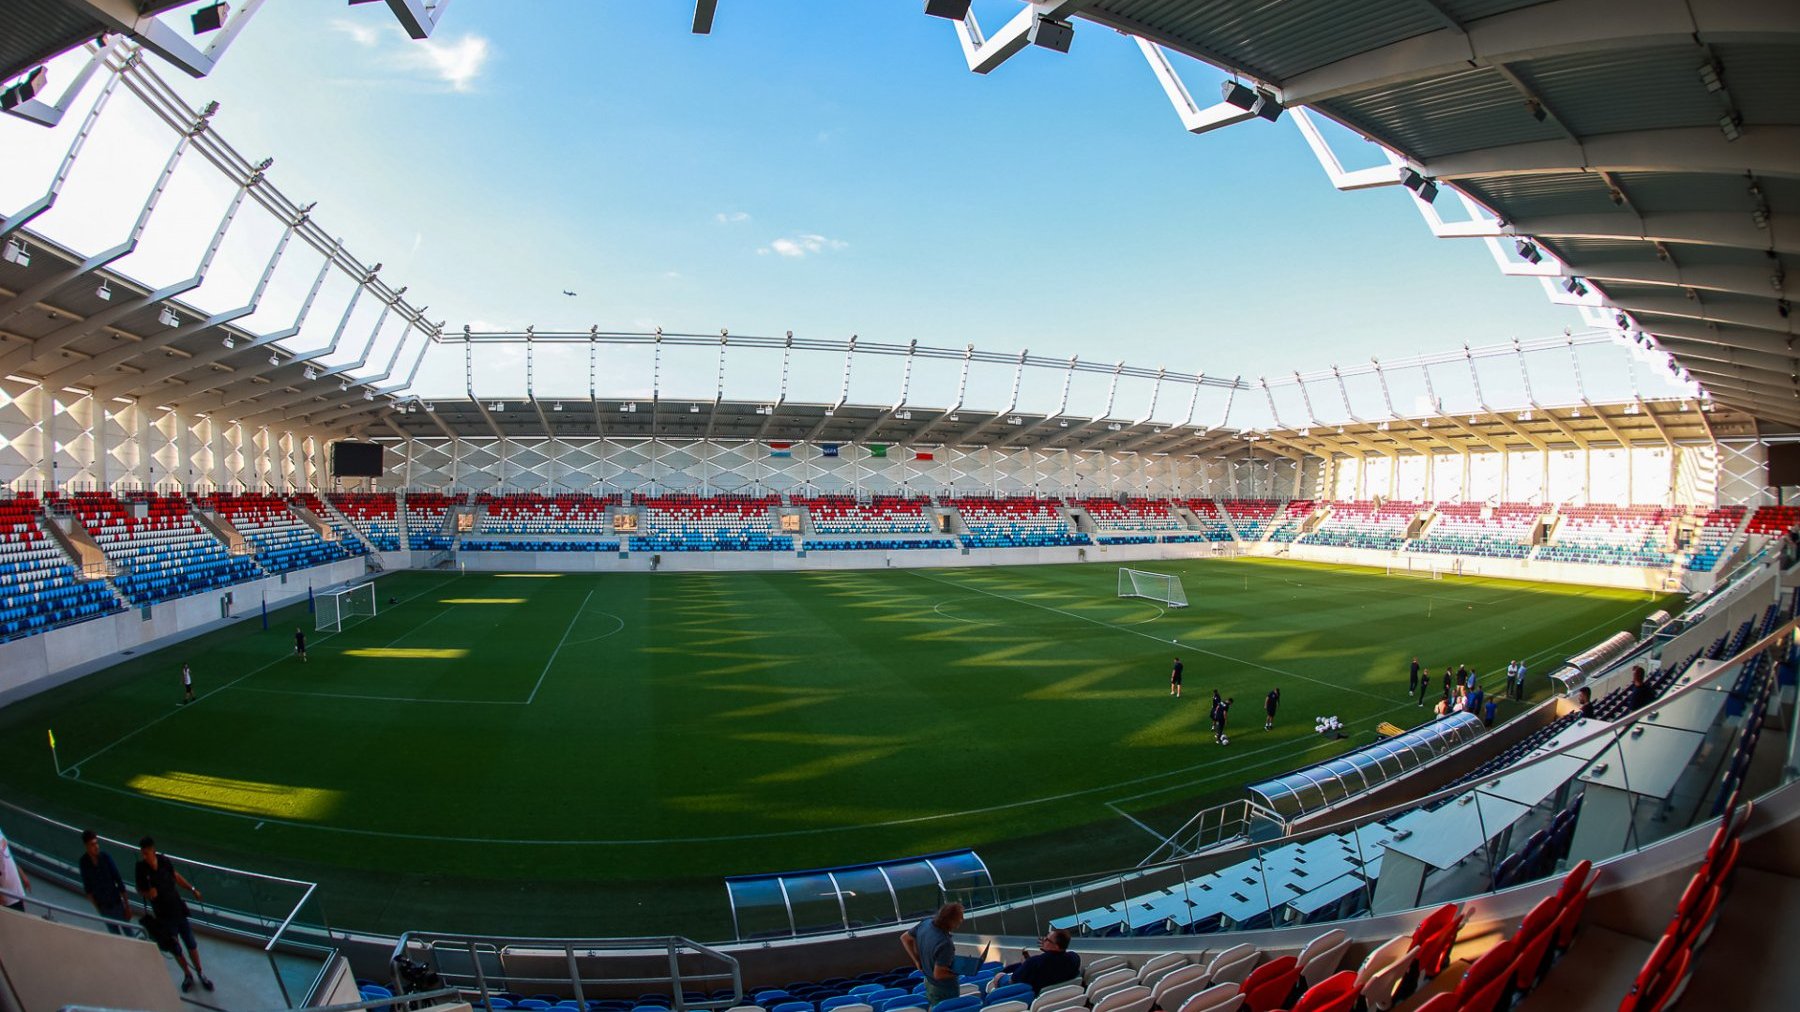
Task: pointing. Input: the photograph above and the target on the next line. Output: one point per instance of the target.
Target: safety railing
(1595, 789)
(283, 916)
(484, 966)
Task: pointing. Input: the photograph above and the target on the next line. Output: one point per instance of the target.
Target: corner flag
(52, 739)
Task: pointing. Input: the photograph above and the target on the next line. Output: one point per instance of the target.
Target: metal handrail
(591, 948)
(131, 928)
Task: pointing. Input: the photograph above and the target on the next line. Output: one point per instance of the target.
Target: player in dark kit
(1175, 679)
(1269, 704)
(299, 644)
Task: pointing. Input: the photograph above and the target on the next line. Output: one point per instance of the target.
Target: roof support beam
(1701, 228)
(1757, 317)
(1769, 150)
(1754, 281)
(124, 18)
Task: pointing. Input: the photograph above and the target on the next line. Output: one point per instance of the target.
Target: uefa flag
(828, 449)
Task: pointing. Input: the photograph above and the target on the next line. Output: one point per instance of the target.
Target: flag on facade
(877, 449)
(828, 450)
(781, 449)
(923, 455)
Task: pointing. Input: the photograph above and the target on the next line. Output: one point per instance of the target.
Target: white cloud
(456, 63)
(731, 217)
(806, 244)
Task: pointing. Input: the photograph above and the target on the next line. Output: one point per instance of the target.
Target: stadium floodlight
(368, 395)
(497, 407)
(1114, 427)
(168, 317)
(1015, 420)
(693, 409)
(430, 408)
(1424, 186)
(1063, 424)
(27, 89)
(229, 342)
(557, 406)
(1051, 34)
(1252, 100)
(1160, 587)
(953, 10)
(274, 359)
(1731, 124)
(104, 292)
(1528, 251)
(1574, 287)
(311, 373)
(17, 252)
(210, 17)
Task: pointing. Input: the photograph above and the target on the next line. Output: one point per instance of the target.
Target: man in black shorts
(1175, 679)
(1220, 708)
(1412, 685)
(1270, 702)
(157, 883)
(299, 643)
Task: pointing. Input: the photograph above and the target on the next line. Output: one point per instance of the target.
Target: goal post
(334, 609)
(1160, 587)
(1424, 569)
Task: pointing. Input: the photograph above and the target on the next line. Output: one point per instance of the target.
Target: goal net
(1152, 586)
(1424, 569)
(334, 609)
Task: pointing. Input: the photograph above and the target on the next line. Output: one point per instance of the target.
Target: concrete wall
(45, 965)
(36, 663)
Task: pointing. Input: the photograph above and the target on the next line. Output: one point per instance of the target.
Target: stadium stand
(1612, 536)
(424, 514)
(165, 554)
(1364, 525)
(1213, 519)
(873, 544)
(842, 514)
(530, 513)
(1129, 515)
(1014, 523)
(687, 523)
(282, 542)
(1293, 517)
(1502, 532)
(1774, 520)
(1718, 531)
(39, 587)
(375, 515)
(1249, 517)
(346, 535)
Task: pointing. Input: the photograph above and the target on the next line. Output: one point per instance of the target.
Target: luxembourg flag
(781, 449)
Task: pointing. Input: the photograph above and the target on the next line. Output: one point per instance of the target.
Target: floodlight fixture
(1528, 251)
(274, 359)
(430, 408)
(1731, 125)
(1252, 100)
(1538, 112)
(104, 292)
(693, 409)
(951, 10)
(1712, 75)
(25, 90)
(557, 406)
(1114, 427)
(1051, 34)
(16, 252)
(368, 395)
(210, 17)
(343, 385)
(1015, 420)
(1574, 287)
(229, 342)
(311, 373)
(1063, 424)
(168, 317)
(1622, 321)
(1424, 186)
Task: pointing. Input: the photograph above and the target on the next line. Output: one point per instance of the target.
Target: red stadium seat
(1532, 942)
(1493, 964)
(1336, 993)
(1434, 936)
(1270, 985)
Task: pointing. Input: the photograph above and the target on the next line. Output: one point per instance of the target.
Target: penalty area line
(559, 645)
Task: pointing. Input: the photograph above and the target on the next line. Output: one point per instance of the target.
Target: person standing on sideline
(12, 881)
(1519, 683)
(299, 643)
(1449, 680)
(931, 945)
(101, 880)
(1493, 710)
(157, 882)
(1512, 675)
(1175, 679)
(1424, 683)
(187, 684)
(1270, 702)
(1412, 682)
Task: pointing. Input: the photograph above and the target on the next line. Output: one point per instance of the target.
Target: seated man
(1054, 965)
(1585, 699)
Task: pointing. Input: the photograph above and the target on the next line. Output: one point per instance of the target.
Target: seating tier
(842, 514)
(39, 588)
(1015, 523)
(281, 541)
(165, 554)
(374, 514)
(687, 523)
(1130, 515)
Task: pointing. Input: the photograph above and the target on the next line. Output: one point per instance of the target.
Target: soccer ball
(1226, 740)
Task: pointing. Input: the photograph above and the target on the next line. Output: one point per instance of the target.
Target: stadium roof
(1642, 160)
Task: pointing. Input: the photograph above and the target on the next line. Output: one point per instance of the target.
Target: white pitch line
(559, 645)
(76, 767)
(381, 699)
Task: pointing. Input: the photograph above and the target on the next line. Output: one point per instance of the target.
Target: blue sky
(1054, 204)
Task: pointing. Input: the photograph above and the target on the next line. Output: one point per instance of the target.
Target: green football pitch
(594, 753)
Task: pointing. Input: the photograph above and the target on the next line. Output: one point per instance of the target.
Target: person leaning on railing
(101, 880)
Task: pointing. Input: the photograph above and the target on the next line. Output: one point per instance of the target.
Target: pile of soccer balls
(1327, 725)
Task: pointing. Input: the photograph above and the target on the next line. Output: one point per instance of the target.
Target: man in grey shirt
(931, 945)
